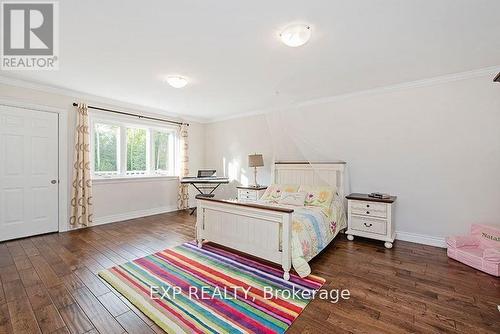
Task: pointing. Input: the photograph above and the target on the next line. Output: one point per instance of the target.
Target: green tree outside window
(136, 149)
(105, 148)
(161, 142)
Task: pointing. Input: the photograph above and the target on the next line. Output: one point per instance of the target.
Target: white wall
(228, 145)
(436, 147)
(115, 200)
(142, 197)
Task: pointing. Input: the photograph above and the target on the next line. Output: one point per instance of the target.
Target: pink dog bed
(480, 249)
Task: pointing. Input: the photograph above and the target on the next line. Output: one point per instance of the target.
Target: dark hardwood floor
(49, 284)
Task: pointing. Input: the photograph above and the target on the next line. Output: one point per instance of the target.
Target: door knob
(53, 181)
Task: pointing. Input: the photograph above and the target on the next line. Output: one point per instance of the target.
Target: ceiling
(231, 52)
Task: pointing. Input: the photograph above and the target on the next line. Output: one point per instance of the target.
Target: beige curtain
(81, 194)
(183, 196)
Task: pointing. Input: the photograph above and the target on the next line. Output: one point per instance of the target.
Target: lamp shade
(255, 160)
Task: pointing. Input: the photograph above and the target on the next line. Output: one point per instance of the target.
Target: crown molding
(497, 78)
(256, 112)
(487, 71)
(104, 101)
(10, 102)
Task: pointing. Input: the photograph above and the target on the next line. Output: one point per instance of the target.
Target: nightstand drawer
(247, 192)
(368, 225)
(369, 208)
(251, 196)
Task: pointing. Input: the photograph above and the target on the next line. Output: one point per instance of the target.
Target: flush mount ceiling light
(295, 35)
(176, 81)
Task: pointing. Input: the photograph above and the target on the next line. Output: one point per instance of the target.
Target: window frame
(148, 155)
(118, 149)
(173, 146)
(123, 123)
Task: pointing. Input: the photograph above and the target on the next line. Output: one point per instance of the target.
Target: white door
(28, 172)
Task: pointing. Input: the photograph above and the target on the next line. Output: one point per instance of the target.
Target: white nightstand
(371, 218)
(250, 194)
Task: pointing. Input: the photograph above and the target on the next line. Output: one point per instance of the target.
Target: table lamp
(255, 160)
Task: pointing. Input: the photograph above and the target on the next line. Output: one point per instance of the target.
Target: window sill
(125, 179)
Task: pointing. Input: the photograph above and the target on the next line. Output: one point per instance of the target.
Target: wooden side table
(371, 217)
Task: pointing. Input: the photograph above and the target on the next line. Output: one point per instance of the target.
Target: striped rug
(210, 290)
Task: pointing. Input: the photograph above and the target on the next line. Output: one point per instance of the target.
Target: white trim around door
(63, 164)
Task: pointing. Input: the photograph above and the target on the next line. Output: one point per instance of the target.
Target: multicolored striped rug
(210, 290)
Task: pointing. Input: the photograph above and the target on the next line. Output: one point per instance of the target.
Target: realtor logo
(30, 35)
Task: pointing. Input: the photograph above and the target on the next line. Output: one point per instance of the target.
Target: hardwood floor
(49, 284)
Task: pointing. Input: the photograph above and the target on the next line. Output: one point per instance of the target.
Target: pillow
(336, 209)
(321, 196)
(292, 198)
(273, 192)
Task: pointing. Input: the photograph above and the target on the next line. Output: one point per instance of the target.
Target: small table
(205, 185)
(249, 193)
(371, 217)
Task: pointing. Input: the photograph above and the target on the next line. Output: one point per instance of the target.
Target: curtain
(81, 192)
(183, 196)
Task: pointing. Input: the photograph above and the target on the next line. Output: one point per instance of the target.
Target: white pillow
(292, 198)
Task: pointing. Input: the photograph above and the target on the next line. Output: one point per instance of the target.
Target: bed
(281, 233)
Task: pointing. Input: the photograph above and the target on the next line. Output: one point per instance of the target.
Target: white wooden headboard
(310, 173)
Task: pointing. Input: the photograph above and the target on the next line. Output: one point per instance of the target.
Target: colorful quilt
(313, 228)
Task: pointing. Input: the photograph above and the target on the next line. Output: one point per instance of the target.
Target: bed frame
(260, 230)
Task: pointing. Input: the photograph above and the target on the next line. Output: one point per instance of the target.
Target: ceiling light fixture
(177, 81)
(295, 35)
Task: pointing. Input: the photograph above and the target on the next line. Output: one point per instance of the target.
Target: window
(162, 144)
(136, 151)
(122, 149)
(106, 147)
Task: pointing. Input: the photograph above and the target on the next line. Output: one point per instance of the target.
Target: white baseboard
(421, 239)
(132, 215)
(400, 235)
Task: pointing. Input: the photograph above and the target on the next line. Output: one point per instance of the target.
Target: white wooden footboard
(259, 230)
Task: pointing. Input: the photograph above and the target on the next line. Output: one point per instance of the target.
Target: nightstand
(250, 194)
(371, 217)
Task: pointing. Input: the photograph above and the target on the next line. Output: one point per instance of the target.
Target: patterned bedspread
(312, 230)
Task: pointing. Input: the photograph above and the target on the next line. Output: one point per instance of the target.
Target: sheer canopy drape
(81, 191)
(183, 196)
(297, 133)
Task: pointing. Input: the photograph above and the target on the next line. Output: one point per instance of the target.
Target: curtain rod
(133, 115)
